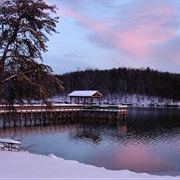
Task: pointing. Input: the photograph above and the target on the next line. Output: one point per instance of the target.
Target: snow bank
(129, 99)
(23, 165)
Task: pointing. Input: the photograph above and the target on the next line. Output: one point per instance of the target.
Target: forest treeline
(124, 81)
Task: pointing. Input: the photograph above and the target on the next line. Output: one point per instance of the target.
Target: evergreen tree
(24, 26)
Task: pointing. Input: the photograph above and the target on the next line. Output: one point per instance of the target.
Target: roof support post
(91, 100)
(78, 100)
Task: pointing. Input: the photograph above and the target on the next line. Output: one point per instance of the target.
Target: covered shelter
(85, 96)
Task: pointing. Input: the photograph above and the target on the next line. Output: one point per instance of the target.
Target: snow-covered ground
(23, 165)
(128, 99)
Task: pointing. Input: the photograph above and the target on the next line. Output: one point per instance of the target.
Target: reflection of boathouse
(85, 97)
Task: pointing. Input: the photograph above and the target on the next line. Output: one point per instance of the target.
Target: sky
(106, 34)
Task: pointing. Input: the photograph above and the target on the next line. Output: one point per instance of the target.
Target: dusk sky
(106, 34)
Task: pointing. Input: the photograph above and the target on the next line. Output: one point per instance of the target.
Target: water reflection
(86, 133)
(149, 141)
(122, 128)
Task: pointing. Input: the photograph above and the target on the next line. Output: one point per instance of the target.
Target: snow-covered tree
(24, 27)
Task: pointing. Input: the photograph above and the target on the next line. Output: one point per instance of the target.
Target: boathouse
(85, 96)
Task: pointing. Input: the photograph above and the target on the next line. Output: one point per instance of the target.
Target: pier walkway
(41, 114)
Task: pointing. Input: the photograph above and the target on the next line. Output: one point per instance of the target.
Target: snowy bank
(128, 99)
(23, 165)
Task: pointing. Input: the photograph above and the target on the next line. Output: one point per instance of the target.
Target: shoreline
(24, 165)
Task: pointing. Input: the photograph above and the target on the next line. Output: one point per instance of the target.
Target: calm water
(148, 142)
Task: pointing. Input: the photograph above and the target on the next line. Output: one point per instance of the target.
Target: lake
(149, 141)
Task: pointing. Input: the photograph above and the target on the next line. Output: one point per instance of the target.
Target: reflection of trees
(122, 128)
(97, 133)
(151, 119)
(10, 133)
(87, 132)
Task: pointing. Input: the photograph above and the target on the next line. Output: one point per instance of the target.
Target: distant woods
(124, 81)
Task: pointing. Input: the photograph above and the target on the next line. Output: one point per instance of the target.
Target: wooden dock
(40, 114)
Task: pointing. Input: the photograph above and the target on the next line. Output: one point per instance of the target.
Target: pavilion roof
(85, 93)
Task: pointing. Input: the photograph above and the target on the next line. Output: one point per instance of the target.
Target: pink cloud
(152, 28)
(151, 25)
(138, 41)
(72, 14)
(133, 43)
(97, 27)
